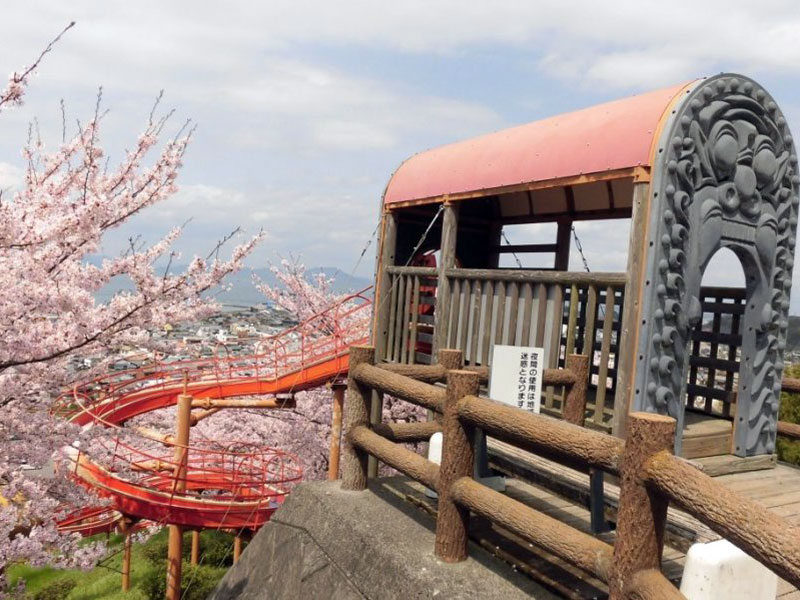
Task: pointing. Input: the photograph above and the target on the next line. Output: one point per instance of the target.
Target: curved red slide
(229, 485)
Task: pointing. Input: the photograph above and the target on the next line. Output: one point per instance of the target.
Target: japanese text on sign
(516, 376)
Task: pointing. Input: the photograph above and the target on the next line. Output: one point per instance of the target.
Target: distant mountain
(242, 291)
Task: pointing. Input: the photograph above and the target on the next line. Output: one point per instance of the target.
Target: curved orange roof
(603, 138)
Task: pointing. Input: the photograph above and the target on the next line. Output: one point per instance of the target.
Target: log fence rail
(650, 476)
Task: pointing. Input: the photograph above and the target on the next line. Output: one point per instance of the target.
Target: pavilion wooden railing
(412, 299)
(563, 312)
(650, 477)
(715, 347)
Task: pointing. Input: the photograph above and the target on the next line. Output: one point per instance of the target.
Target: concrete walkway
(327, 543)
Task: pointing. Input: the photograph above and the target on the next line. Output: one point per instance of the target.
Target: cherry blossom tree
(299, 293)
(306, 430)
(71, 197)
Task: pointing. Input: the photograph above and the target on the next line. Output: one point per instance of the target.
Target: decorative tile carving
(725, 176)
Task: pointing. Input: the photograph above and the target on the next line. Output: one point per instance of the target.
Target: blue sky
(304, 109)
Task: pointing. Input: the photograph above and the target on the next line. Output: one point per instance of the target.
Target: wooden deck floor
(563, 493)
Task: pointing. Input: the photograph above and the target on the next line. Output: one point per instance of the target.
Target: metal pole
(175, 547)
(336, 430)
(237, 548)
(195, 546)
(126, 555)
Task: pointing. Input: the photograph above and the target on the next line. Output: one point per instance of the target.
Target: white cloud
(303, 145)
(11, 176)
(200, 201)
(619, 42)
(352, 135)
(329, 226)
(320, 107)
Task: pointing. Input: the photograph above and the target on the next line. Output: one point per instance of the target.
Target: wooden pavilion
(694, 168)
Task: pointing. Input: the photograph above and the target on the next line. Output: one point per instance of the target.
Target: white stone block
(720, 571)
(435, 456)
(495, 482)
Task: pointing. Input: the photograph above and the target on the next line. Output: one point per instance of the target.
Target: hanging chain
(411, 256)
(600, 307)
(365, 248)
(580, 249)
(424, 235)
(516, 258)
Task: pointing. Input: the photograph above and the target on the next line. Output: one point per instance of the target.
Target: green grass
(35, 577)
(105, 582)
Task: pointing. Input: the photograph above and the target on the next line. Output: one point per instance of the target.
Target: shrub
(155, 549)
(154, 582)
(789, 450)
(216, 549)
(57, 590)
(196, 582)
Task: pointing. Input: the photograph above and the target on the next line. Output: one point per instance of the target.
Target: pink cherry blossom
(70, 198)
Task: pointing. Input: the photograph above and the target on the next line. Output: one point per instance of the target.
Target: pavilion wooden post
(495, 241)
(447, 260)
(388, 246)
(380, 328)
(125, 528)
(336, 429)
(195, 546)
(458, 457)
(354, 461)
(237, 548)
(175, 545)
(563, 239)
(631, 317)
(642, 513)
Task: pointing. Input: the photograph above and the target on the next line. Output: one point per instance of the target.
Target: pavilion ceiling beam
(582, 215)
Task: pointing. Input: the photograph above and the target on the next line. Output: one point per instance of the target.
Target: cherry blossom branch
(15, 90)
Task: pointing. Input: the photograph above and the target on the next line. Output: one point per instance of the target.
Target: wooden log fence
(650, 476)
(788, 430)
(762, 534)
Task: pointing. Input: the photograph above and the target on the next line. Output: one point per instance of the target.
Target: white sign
(516, 376)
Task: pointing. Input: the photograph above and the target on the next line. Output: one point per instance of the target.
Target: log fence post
(642, 512)
(354, 461)
(458, 456)
(451, 360)
(375, 418)
(574, 410)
